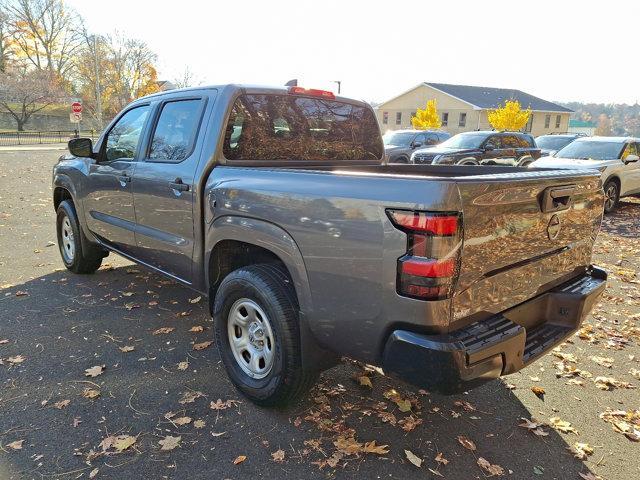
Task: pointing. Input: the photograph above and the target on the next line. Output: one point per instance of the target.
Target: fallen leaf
(534, 427)
(127, 348)
(220, 405)
(365, 381)
(435, 472)
(217, 434)
(195, 300)
(4, 341)
(61, 404)
(197, 329)
(561, 425)
(90, 393)
(169, 443)
(466, 443)
(94, 371)
(190, 396)
(16, 360)
(16, 445)
(124, 442)
(413, 458)
(582, 450)
(21, 293)
(489, 468)
(183, 365)
(182, 420)
(539, 392)
(371, 447)
(409, 423)
(163, 330)
(202, 345)
(239, 459)
(440, 459)
(93, 473)
(199, 424)
(278, 456)
(604, 361)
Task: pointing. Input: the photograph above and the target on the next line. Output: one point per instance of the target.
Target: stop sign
(76, 107)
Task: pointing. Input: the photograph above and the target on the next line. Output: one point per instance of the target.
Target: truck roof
(246, 88)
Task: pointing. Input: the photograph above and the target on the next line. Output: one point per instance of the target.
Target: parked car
(277, 205)
(481, 148)
(615, 157)
(399, 144)
(550, 144)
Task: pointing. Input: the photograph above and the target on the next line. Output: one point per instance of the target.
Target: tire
(75, 256)
(525, 161)
(611, 195)
(257, 304)
(404, 160)
(468, 162)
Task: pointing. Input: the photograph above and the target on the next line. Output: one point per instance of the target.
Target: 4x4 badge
(553, 229)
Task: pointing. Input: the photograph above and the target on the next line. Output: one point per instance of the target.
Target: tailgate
(524, 233)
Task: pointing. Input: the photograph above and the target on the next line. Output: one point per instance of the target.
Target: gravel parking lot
(159, 405)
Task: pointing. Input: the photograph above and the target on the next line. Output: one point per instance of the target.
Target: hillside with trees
(611, 119)
(48, 57)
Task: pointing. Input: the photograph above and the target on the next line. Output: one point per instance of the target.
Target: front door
(108, 198)
(630, 174)
(164, 189)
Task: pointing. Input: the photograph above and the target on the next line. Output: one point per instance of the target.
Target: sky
(560, 50)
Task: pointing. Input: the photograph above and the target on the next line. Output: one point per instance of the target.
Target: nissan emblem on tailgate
(553, 229)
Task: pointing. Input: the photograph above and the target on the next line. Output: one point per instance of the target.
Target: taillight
(313, 92)
(429, 268)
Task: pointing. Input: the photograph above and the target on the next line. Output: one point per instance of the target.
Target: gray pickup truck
(276, 204)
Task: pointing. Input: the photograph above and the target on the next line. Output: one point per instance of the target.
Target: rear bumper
(497, 346)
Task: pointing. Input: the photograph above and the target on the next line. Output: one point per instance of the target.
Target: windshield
(473, 140)
(399, 139)
(553, 143)
(591, 150)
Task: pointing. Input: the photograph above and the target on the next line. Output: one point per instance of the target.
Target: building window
(547, 121)
(385, 117)
(529, 126)
(462, 121)
(398, 118)
(445, 119)
(558, 121)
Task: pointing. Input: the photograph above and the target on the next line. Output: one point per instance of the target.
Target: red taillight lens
(441, 225)
(312, 92)
(428, 269)
(422, 267)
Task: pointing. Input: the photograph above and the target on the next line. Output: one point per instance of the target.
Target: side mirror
(416, 144)
(631, 158)
(489, 147)
(81, 147)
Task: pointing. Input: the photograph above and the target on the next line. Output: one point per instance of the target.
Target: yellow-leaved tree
(427, 118)
(509, 117)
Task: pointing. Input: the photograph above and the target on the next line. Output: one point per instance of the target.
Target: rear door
(164, 188)
(515, 245)
(630, 174)
(108, 199)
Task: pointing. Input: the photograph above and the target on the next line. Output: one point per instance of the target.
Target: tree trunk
(20, 124)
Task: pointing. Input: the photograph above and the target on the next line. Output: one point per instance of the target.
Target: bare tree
(186, 79)
(6, 50)
(23, 93)
(46, 33)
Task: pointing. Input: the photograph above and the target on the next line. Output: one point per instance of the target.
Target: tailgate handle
(555, 199)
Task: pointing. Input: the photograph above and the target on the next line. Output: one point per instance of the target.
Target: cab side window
(124, 137)
(432, 139)
(176, 131)
(421, 139)
(495, 141)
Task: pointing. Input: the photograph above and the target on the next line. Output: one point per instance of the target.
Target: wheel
(611, 196)
(401, 160)
(257, 333)
(525, 161)
(74, 256)
(467, 162)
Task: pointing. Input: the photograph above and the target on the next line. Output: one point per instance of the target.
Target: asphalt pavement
(157, 379)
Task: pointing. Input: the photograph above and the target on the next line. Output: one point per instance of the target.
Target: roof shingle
(488, 97)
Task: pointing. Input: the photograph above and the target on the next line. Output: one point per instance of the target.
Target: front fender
(268, 236)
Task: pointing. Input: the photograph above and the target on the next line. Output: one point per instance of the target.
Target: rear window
(289, 127)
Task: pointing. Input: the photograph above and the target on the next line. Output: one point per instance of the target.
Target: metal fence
(10, 139)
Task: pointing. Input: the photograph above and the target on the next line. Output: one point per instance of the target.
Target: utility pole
(97, 75)
(339, 82)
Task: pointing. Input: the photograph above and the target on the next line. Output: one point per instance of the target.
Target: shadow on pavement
(63, 324)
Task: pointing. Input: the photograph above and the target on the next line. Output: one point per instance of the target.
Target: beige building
(463, 108)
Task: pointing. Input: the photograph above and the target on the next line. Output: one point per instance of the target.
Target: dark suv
(400, 144)
(481, 148)
(550, 144)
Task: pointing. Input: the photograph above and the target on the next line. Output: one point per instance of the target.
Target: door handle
(179, 185)
(124, 178)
